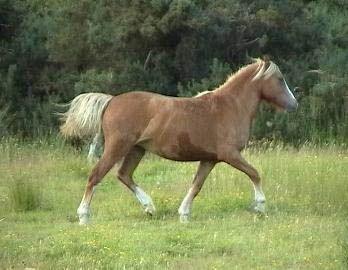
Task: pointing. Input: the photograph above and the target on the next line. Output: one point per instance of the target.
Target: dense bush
(53, 50)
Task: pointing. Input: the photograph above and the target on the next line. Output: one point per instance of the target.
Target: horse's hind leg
(96, 143)
(237, 161)
(125, 175)
(114, 152)
(204, 169)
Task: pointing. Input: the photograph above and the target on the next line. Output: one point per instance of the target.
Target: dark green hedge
(53, 50)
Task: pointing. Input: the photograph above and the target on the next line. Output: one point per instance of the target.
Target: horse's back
(147, 104)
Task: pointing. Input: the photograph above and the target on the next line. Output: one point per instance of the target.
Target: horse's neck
(238, 108)
(242, 94)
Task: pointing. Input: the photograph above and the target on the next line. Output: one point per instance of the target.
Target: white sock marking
(93, 147)
(259, 196)
(185, 206)
(84, 210)
(144, 199)
(91, 152)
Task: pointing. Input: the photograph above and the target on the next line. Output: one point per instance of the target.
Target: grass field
(306, 226)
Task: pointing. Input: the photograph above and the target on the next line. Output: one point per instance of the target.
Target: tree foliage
(53, 50)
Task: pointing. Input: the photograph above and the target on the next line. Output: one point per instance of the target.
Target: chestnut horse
(210, 128)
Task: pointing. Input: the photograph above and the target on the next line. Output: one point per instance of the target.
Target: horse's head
(273, 86)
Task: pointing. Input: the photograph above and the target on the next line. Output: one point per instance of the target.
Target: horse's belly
(180, 150)
(179, 136)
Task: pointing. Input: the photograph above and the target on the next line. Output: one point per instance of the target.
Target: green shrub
(218, 73)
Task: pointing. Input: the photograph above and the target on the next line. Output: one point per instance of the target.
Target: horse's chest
(236, 135)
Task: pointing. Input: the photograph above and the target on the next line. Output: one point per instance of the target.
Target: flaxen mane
(264, 70)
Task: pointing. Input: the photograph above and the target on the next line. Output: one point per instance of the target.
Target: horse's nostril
(292, 107)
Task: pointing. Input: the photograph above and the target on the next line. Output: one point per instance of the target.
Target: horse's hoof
(184, 218)
(84, 220)
(149, 212)
(150, 209)
(260, 208)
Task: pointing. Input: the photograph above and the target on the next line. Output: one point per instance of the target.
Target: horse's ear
(266, 58)
(248, 58)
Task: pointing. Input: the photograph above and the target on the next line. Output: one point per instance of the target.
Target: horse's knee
(255, 177)
(121, 174)
(93, 180)
(125, 179)
(196, 189)
(90, 185)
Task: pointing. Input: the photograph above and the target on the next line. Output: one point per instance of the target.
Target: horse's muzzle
(292, 106)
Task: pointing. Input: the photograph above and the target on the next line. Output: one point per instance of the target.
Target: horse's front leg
(237, 161)
(204, 169)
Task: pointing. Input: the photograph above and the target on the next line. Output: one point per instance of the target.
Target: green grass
(305, 227)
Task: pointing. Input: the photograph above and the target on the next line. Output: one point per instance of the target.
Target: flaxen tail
(84, 116)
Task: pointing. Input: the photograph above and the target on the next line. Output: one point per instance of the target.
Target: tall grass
(24, 195)
(305, 226)
(345, 250)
